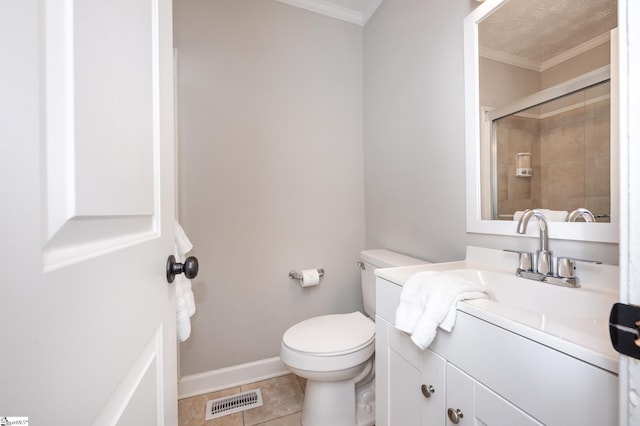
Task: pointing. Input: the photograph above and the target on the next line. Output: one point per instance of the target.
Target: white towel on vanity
(185, 303)
(429, 300)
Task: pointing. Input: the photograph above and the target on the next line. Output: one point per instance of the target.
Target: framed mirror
(541, 116)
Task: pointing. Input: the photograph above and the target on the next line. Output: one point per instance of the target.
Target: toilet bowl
(335, 353)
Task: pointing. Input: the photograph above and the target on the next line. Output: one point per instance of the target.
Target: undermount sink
(571, 320)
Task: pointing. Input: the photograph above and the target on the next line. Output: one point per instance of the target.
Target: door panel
(102, 130)
(114, 45)
(135, 400)
(86, 161)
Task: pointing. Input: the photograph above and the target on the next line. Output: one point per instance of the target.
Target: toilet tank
(372, 260)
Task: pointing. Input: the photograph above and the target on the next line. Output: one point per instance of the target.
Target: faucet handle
(525, 259)
(567, 266)
(545, 263)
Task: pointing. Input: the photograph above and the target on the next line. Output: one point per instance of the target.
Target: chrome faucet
(586, 214)
(543, 264)
(543, 270)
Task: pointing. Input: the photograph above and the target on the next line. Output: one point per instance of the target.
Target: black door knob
(189, 267)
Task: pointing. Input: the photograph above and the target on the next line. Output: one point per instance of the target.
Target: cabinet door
(492, 410)
(434, 394)
(405, 379)
(405, 397)
(460, 398)
(416, 383)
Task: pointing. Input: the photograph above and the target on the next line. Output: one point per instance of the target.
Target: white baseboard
(224, 378)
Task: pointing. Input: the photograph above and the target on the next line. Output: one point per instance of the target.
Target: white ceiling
(540, 30)
(529, 33)
(354, 11)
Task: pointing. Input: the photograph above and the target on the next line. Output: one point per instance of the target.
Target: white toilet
(335, 354)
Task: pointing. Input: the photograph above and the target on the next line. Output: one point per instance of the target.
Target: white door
(629, 35)
(87, 318)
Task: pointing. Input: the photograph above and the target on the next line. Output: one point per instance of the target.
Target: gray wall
(271, 171)
(271, 129)
(414, 128)
(414, 136)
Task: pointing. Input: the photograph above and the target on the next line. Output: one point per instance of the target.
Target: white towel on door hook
(185, 303)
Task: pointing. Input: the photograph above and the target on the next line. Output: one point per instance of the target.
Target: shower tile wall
(575, 151)
(570, 160)
(517, 134)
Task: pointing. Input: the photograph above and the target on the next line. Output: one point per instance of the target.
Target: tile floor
(282, 404)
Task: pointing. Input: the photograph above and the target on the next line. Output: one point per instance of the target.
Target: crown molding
(327, 8)
(516, 61)
(369, 11)
(579, 49)
(549, 63)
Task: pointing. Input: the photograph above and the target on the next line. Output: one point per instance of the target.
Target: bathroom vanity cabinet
(482, 374)
(425, 389)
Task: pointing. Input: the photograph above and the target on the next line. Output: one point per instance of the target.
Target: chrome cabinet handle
(427, 390)
(454, 415)
(362, 265)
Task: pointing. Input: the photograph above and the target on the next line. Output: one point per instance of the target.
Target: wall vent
(233, 404)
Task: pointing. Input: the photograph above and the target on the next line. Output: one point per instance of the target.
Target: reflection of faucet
(586, 214)
(544, 254)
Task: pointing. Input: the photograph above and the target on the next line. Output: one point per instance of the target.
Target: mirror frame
(579, 231)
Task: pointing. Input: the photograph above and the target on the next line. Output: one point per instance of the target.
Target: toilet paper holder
(295, 275)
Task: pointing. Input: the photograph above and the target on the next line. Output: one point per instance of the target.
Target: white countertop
(581, 337)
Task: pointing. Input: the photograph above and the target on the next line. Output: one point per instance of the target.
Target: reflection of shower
(561, 144)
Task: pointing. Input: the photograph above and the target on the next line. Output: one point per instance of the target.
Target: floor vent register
(233, 404)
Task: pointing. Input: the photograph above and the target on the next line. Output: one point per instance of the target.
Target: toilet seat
(331, 345)
(331, 335)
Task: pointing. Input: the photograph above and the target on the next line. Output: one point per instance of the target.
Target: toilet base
(329, 403)
(366, 403)
(341, 403)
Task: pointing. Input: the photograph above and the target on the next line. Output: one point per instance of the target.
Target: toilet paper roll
(310, 277)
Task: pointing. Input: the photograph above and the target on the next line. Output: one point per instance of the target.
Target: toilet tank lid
(383, 258)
